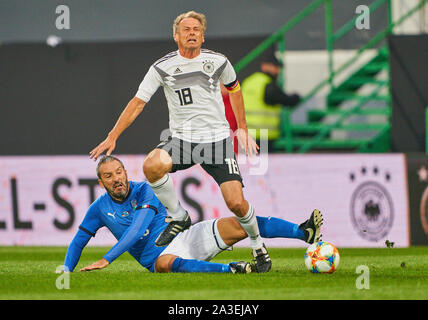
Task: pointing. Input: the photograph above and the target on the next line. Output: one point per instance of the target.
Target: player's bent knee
(156, 165)
(240, 233)
(235, 205)
(231, 230)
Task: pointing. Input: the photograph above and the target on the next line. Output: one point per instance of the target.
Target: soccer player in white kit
(191, 79)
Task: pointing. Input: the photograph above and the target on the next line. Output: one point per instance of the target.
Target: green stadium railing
(288, 129)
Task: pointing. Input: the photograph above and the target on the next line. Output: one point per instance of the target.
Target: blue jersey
(135, 222)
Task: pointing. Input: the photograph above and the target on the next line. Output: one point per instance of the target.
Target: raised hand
(247, 142)
(108, 144)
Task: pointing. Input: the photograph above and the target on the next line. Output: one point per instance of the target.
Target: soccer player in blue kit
(134, 215)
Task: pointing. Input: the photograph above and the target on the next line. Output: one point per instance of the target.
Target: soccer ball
(322, 257)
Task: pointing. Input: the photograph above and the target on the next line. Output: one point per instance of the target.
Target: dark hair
(106, 159)
(269, 56)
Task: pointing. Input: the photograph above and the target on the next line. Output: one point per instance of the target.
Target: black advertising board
(409, 94)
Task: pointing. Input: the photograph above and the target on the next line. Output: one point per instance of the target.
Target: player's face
(114, 179)
(189, 34)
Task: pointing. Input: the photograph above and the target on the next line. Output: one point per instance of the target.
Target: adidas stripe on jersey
(192, 91)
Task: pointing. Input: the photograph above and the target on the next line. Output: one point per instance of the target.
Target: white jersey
(193, 94)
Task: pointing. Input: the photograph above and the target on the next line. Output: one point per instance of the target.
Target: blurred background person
(264, 99)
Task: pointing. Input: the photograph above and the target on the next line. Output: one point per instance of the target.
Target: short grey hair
(190, 14)
(106, 159)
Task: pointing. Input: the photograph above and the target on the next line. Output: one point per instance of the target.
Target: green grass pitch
(394, 273)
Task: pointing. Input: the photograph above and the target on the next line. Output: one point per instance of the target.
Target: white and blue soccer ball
(322, 257)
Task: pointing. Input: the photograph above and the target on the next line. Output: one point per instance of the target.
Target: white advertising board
(363, 197)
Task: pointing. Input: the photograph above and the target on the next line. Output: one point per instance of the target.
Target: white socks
(249, 223)
(164, 190)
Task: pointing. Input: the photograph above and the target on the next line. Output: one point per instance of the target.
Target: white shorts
(201, 241)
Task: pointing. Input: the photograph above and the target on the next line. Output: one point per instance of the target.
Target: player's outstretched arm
(127, 117)
(74, 250)
(87, 229)
(134, 232)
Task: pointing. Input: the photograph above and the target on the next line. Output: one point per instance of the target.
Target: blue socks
(272, 227)
(192, 265)
(269, 227)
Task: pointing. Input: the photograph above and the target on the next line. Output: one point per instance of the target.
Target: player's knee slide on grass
(164, 264)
